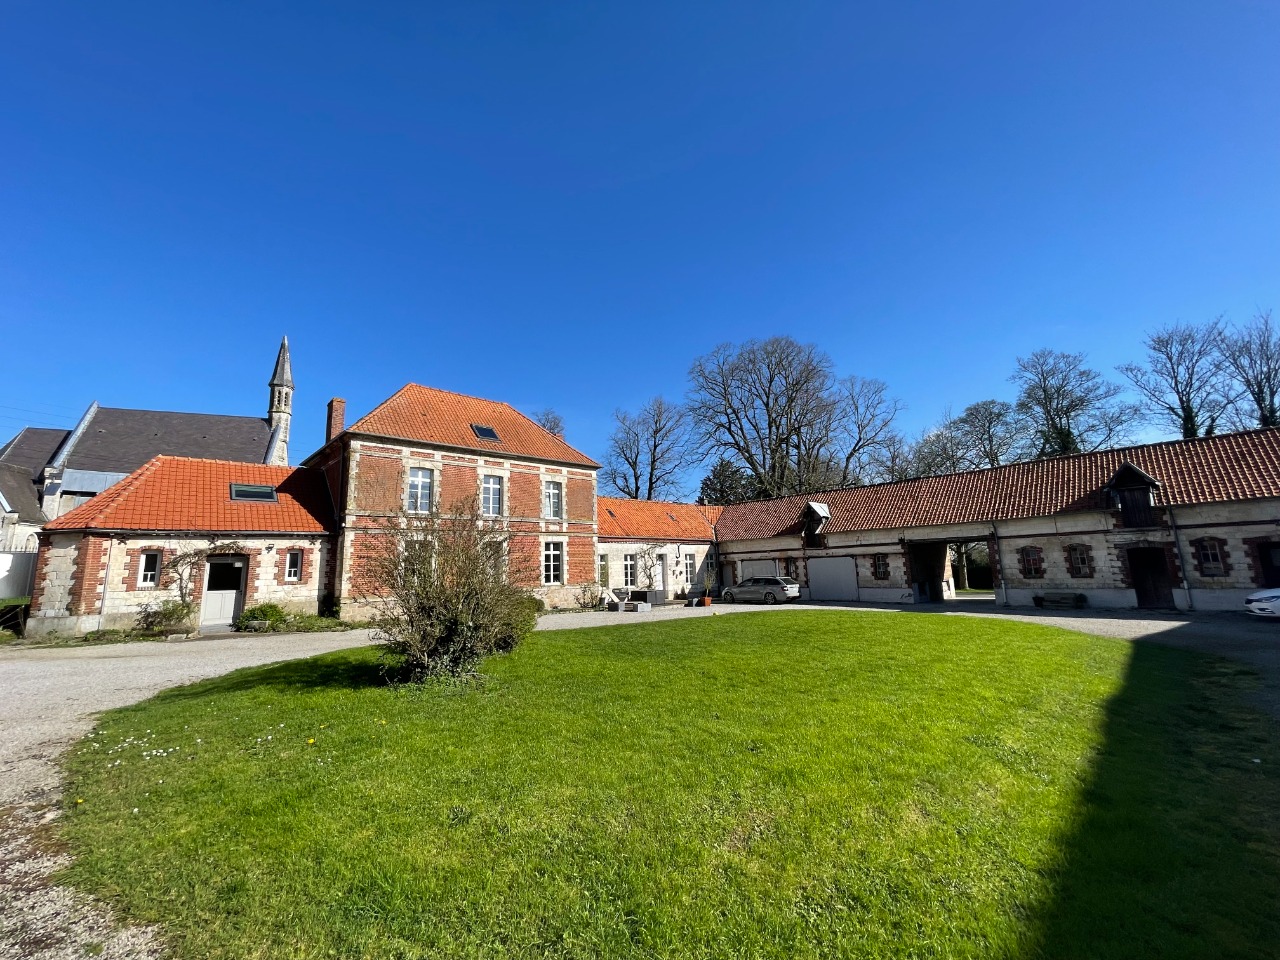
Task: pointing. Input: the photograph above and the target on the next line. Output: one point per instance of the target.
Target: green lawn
(788, 784)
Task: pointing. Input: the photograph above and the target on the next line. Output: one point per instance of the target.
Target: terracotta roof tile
(175, 493)
(654, 520)
(435, 416)
(1237, 466)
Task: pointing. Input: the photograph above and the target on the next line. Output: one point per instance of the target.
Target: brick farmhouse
(1191, 524)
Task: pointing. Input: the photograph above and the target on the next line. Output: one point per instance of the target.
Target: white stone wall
(674, 577)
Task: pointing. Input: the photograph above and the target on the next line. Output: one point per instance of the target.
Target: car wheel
(728, 596)
(770, 598)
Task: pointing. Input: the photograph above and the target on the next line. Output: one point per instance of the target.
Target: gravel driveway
(50, 696)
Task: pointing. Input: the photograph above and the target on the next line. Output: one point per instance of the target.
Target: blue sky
(562, 205)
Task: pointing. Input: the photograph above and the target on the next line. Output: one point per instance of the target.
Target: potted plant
(708, 584)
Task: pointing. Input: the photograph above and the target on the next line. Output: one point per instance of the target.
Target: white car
(1264, 603)
(768, 589)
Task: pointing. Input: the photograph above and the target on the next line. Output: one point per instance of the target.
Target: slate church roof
(18, 493)
(115, 440)
(33, 448)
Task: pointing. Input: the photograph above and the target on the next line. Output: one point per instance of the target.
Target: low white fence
(17, 573)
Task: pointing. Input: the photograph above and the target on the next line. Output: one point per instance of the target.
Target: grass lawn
(792, 784)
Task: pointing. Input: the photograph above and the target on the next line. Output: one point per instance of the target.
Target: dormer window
(483, 432)
(253, 491)
(1134, 490)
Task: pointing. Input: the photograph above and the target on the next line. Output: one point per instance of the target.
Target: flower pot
(704, 601)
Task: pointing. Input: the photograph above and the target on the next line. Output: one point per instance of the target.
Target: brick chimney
(337, 418)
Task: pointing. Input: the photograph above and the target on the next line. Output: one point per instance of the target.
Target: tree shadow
(343, 670)
(1177, 849)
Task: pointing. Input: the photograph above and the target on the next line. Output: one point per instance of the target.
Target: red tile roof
(180, 494)
(432, 416)
(1237, 466)
(654, 520)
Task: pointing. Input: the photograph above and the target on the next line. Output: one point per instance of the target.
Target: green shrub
(166, 615)
(272, 613)
(313, 623)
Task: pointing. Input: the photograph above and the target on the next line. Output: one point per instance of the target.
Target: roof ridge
(185, 413)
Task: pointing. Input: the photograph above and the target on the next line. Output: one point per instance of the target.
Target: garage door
(757, 568)
(831, 578)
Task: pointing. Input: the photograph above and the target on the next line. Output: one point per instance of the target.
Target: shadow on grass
(344, 670)
(1177, 852)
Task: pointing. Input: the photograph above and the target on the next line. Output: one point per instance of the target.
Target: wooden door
(1152, 580)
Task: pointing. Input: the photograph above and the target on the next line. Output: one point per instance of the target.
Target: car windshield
(788, 581)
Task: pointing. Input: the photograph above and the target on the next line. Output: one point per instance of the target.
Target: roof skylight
(483, 432)
(253, 491)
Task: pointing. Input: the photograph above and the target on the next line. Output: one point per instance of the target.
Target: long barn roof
(1236, 466)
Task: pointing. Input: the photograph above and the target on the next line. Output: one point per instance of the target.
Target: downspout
(1004, 580)
(1182, 560)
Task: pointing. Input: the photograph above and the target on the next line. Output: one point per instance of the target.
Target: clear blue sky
(562, 205)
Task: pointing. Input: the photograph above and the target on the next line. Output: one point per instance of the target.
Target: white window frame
(690, 567)
(554, 552)
(552, 500)
(629, 569)
(491, 488)
(418, 476)
(149, 579)
(288, 564)
(602, 569)
(1214, 567)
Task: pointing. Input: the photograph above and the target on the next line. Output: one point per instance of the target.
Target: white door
(223, 590)
(831, 578)
(660, 573)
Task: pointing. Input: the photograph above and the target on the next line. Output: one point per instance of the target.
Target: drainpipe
(1182, 560)
(106, 582)
(1004, 579)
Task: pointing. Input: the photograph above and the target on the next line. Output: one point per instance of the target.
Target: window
(1031, 562)
(293, 566)
(880, 566)
(421, 489)
(553, 563)
(484, 433)
(491, 496)
(628, 569)
(602, 569)
(1080, 560)
(552, 499)
(1209, 555)
(253, 491)
(149, 569)
(791, 568)
(690, 567)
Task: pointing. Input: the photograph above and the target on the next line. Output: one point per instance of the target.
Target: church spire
(283, 375)
(280, 409)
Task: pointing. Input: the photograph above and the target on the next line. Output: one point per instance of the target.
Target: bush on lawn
(445, 590)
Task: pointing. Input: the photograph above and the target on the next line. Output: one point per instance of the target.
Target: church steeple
(280, 410)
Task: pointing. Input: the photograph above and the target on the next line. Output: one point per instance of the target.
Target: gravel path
(49, 698)
(51, 695)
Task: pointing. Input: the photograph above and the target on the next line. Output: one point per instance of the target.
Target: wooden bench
(1060, 600)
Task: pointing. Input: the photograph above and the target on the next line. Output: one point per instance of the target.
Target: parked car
(767, 589)
(1264, 603)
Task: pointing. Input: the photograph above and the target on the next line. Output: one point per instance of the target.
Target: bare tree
(1185, 380)
(990, 433)
(648, 451)
(1252, 356)
(549, 421)
(1074, 409)
(776, 407)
